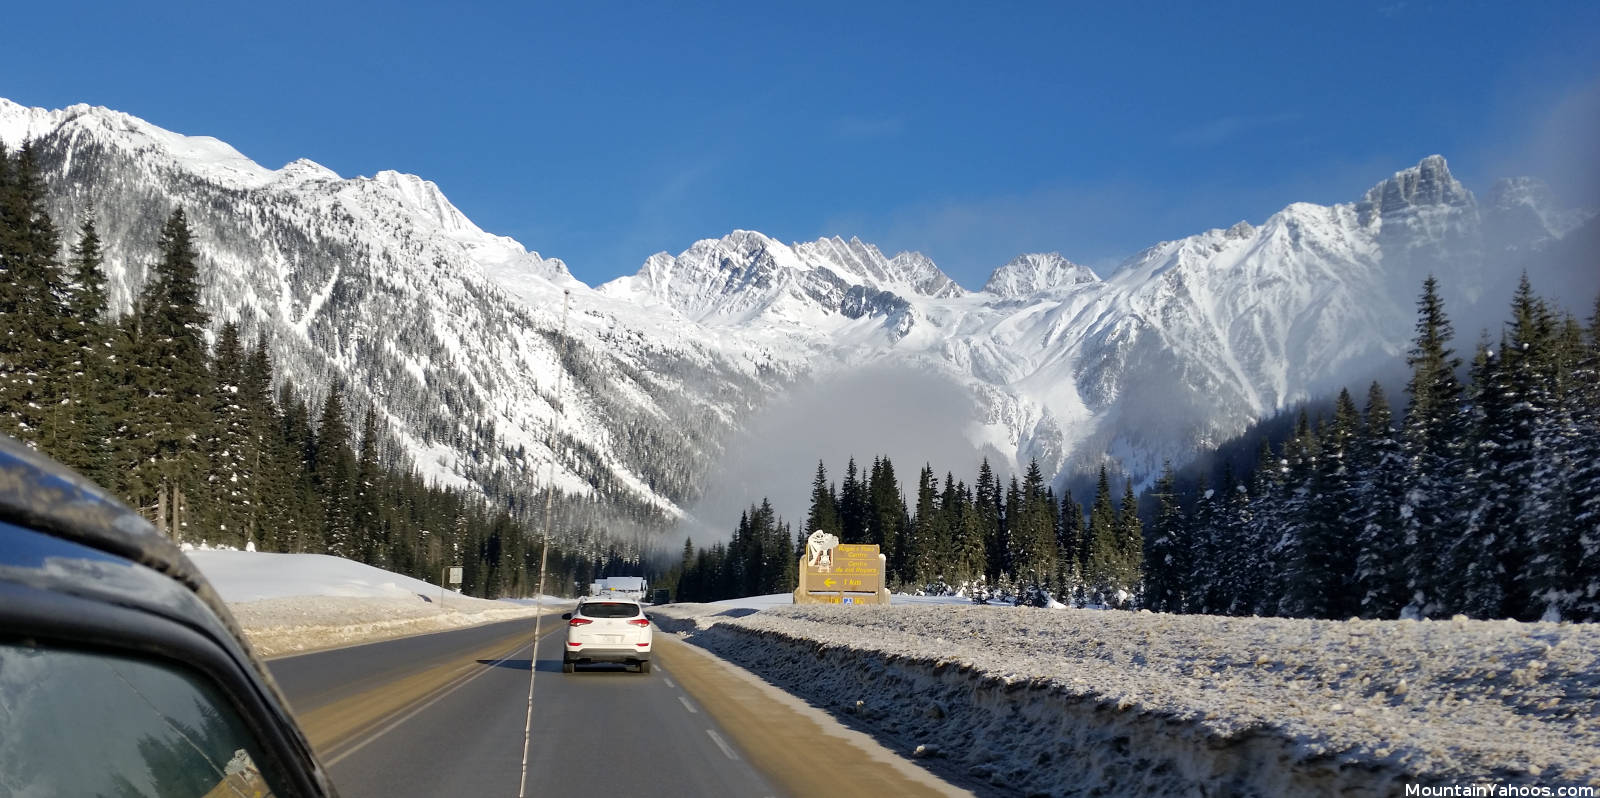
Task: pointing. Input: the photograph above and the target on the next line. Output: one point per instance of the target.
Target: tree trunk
(161, 510)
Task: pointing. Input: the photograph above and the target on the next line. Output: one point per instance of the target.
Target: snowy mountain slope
(450, 331)
(1032, 274)
(380, 283)
(1180, 348)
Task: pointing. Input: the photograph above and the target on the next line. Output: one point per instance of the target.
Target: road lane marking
(772, 726)
(723, 744)
(688, 706)
(332, 727)
(668, 680)
(457, 685)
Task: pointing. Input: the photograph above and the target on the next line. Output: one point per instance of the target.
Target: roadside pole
(544, 551)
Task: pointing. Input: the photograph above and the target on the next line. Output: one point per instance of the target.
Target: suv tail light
(579, 621)
(640, 621)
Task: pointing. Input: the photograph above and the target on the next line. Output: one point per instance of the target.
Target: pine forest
(190, 427)
(1481, 498)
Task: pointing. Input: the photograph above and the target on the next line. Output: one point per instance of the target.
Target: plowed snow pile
(299, 602)
(1018, 701)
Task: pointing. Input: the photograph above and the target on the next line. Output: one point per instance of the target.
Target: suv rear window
(608, 609)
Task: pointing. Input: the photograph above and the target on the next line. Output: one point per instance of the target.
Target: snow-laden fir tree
(1166, 549)
(333, 468)
(1380, 581)
(1433, 437)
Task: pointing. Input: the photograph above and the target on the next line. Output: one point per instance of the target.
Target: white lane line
(668, 680)
(723, 744)
(688, 706)
(409, 715)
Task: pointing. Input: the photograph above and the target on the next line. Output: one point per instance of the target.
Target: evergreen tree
(1010, 521)
(1585, 478)
(91, 387)
(1259, 565)
(824, 513)
(228, 472)
(1489, 557)
(1103, 568)
(1537, 467)
(1433, 436)
(923, 566)
(1167, 553)
(370, 532)
(1035, 537)
(1380, 580)
(333, 470)
(986, 508)
(1204, 574)
(1326, 563)
(1292, 586)
(1070, 540)
(852, 507)
(268, 484)
(171, 378)
(969, 550)
(32, 316)
(887, 515)
(1130, 548)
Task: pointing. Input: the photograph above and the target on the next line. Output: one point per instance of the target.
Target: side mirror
(566, 616)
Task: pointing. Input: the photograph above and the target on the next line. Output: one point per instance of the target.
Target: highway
(444, 714)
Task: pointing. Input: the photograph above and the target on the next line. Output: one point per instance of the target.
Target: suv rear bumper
(593, 654)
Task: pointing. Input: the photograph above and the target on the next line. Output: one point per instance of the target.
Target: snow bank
(290, 603)
(242, 576)
(1022, 701)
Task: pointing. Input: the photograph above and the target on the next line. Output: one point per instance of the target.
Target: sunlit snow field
(290, 603)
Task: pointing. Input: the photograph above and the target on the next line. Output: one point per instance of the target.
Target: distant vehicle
(121, 672)
(633, 587)
(661, 596)
(607, 629)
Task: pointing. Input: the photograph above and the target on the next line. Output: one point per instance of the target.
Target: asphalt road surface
(444, 714)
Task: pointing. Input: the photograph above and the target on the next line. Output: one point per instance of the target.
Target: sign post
(452, 574)
(841, 573)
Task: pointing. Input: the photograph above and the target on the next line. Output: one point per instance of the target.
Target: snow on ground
(1019, 701)
(289, 603)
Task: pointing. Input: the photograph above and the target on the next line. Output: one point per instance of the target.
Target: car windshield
(149, 728)
(608, 609)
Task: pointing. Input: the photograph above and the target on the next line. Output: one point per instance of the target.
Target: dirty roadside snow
(289, 603)
(1018, 701)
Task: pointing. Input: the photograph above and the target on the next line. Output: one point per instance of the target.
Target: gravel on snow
(1023, 701)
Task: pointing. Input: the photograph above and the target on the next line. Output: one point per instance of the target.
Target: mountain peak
(1524, 209)
(304, 169)
(861, 263)
(1428, 184)
(1033, 273)
(424, 197)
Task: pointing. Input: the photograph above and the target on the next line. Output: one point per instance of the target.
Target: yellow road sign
(850, 583)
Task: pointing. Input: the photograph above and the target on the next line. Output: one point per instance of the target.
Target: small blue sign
(849, 600)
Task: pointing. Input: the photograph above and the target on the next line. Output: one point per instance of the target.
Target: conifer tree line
(992, 541)
(202, 439)
(1483, 499)
(758, 560)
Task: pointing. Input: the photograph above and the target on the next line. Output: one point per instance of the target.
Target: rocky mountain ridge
(452, 332)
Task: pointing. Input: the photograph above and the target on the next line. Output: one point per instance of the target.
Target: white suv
(605, 629)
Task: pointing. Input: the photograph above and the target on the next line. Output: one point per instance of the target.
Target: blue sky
(603, 132)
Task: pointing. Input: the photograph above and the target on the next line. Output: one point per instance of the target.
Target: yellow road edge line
(334, 726)
(771, 727)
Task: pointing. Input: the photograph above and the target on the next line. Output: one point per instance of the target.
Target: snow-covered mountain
(1035, 274)
(451, 331)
